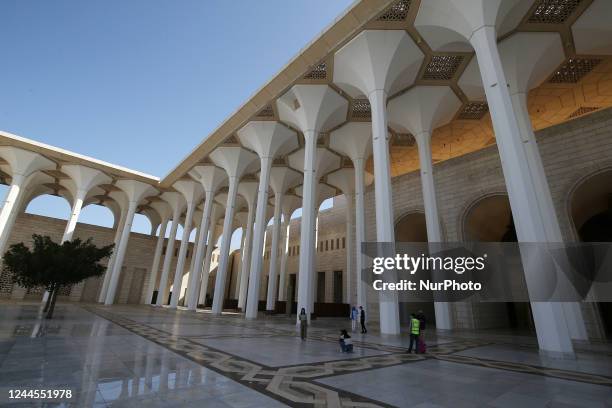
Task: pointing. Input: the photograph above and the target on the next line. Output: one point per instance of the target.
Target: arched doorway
(489, 219)
(591, 212)
(411, 227)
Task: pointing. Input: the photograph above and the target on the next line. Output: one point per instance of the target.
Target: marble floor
(146, 356)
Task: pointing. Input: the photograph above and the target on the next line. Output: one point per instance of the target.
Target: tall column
(196, 271)
(354, 140)
(111, 261)
(545, 52)
(246, 259)
(271, 297)
(135, 191)
(282, 295)
(307, 226)
(248, 190)
(252, 300)
(551, 327)
(156, 260)
(319, 108)
(219, 295)
(192, 193)
(176, 202)
(349, 248)
(385, 231)
(242, 253)
(235, 161)
(213, 237)
(417, 112)
(211, 178)
(359, 164)
(384, 58)
(267, 139)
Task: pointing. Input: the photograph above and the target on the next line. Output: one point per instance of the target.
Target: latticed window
(574, 70)
(442, 67)
(361, 109)
(318, 72)
(397, 12)
(553, 11)
(474, 111)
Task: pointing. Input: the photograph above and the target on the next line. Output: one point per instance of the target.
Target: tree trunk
(52, 303)
(48, 302)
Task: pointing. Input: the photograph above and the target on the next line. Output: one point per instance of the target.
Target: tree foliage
(54, 265)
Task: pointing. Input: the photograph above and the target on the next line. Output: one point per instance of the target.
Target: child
(346, 344)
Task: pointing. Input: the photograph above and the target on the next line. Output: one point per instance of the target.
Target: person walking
(362, 317)
(303, 323)
(354, 316)
(414, 334)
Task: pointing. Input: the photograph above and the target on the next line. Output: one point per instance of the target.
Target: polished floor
(145, 356)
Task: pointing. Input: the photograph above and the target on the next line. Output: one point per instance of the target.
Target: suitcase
(422, 347)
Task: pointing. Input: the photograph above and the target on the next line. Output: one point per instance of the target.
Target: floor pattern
(296, 384)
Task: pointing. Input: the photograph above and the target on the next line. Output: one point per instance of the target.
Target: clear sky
(140, 83)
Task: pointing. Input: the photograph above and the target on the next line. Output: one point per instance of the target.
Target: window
(337, 243)
(332, 244)
(326, 245)
(343, 242)
(298, 249)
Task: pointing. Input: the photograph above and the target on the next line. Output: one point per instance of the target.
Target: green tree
(54, 265)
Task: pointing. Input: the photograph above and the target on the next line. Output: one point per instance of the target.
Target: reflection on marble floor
(146, 356)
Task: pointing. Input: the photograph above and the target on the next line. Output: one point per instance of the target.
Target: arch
(49, 205)
(574, 198)
(493, 201)
(411, 227)
(141, 224)
(590, 212)
(97, 214)
(489, 219)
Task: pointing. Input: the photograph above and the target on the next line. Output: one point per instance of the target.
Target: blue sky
(139, 83)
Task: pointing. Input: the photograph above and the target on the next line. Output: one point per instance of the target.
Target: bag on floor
(422, 347)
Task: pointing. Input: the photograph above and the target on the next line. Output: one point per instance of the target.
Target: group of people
(418, 324)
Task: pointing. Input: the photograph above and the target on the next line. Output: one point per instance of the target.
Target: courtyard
(137, 355)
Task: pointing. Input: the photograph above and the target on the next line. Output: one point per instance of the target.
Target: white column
(359, 165)
(252, 301)
(573, 314)
(282, 291)
(219, 295)
(307, 227)
(125, 237)
(111, 261)
(349, 249)
(180, 265)
(551, 327)
(193, 284)
(432, 216)
(246, 260)
(385, 231)
(242, 252)
(156, 260)
(271, 298)
(163, 281)
(212, 238)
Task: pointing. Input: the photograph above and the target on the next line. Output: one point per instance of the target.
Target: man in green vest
(414, 333)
